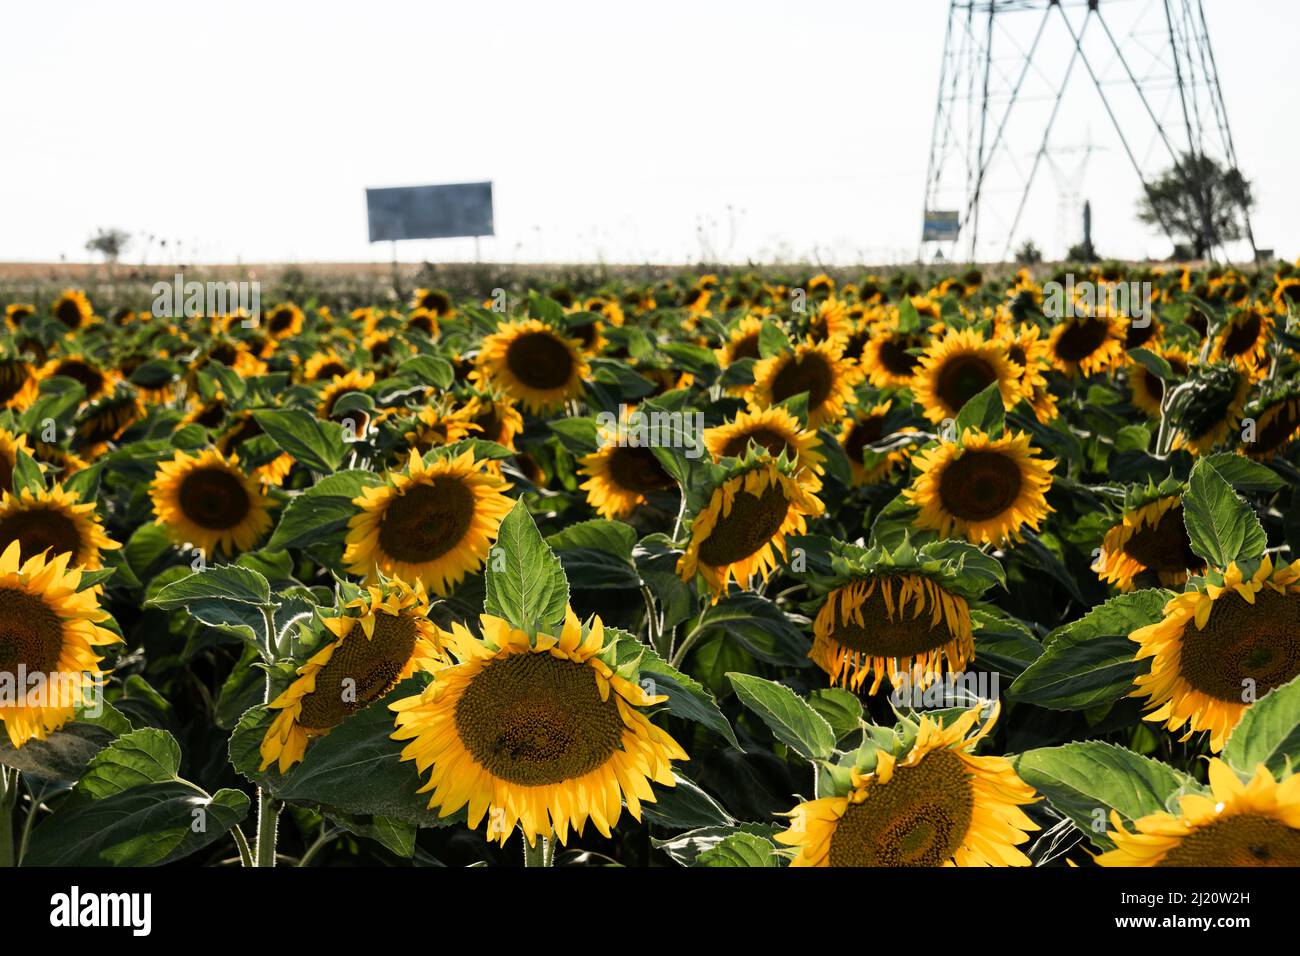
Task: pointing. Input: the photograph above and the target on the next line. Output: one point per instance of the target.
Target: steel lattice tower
(1007, 68)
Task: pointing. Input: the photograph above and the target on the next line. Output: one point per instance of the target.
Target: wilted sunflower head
(1208, 407)
(546, 732)
(106, 418)
(775, 430)
(1277, 424)
(936, 804)
(816, 368)
(51, 627)
(72, 309)
(1220, 646)
(432, 523)
(381, 637)
(534, 364)
(207, 501)
(1149, 538)
(981, 488)
(53, 522)
(96, 380)
(1255, 823)
(741, 531)
(957, 367)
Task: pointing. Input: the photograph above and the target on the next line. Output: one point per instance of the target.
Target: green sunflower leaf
(792, 720)
(1086, 780)
(1269, 733)
(985, 412)
(525, 580)
(1221, 525)
(739, 849)
(315, 443)
(322, 511)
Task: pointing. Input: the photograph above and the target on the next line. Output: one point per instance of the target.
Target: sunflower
(435, 427)
(742, 342)
(607, 309)
(105, 419)
(1147, 389)
(777, 431)
(743, 528)
(1210, 412)
(10, 446)
(72, 308)
(53, 522)
(893, 624)
(887, 357)
(324, 366)
(59, 463)
(97, 381)
(1219, 644)
(621, 475)
(18, 383)
(1087, 344)
(939, 805)
(818, 368)
(243, 427)
(981, 488)
(236, 356)
(542, 732)
(207, 501)
(383, 637)
(1285, 297)
(1143, 336)
(422, 320)
(283, 320)
(533, 364)
(435, 301)
(830, 321)
(340, 385)
(590, 335)
(1236, 824)
(210, 413)
(1277, 424)
(958, 367)
(1150, 537)
(19, 312)
(432, 523)
(51, 628)
(497, 419)
(864, 427)
(1244, 339)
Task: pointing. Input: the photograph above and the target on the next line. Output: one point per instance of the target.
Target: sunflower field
(747, 569)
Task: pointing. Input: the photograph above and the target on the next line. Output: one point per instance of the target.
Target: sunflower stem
(8, 801)
(268, 814)
(540, 853)
(245, 851)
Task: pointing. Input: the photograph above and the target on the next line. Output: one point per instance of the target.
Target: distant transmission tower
(1007, 66)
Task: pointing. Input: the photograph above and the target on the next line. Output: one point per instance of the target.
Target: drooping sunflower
(382, 637)
(887, 358)
(818, 368)
(936, 805)
(206, 500)
(1277, 424)
(18, 383)
(72, 308)
(48, 627)
(105, 419)
(742, 529)
(1150, 537)
(1244, 341)
(957, 367)
(546, 732)
(864, 427)
(1087, 344)
(891, 625)
(1220, 646)
(53, 522)
(283, 320)
(980, 488)
(533, 364)
(1146, 388)
(1209, 411)
(777, 431)
(432, 523)
(10, 446)
(1236, 824)
(620, 475)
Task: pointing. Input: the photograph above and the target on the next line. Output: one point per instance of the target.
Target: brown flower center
(38, 528)
(961, 378)
(979, 485)
(810, 373)
(1082, 338)
(750, 525)
(427, 520)
(1241, 839)
(1243, 646)
(540, 360)
(213, 498)
(31, 634)
(361, 670)
(637, 469)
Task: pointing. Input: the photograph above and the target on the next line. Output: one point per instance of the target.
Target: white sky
(615, 131)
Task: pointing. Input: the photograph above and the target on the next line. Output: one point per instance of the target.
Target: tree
(1198, 201)
(109, 243)
(1029, 254)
